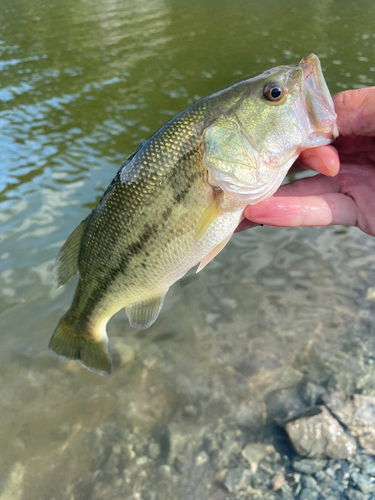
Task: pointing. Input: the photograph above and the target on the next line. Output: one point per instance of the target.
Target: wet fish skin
(142, 236)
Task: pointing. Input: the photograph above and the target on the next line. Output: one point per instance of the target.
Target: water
(83, 83)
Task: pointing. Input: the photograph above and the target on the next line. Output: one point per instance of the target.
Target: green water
(82, 84)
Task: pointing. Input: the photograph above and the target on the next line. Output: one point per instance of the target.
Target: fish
(177, 200)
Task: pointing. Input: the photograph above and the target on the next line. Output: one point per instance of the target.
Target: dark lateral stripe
(179, 181)
(133, 249)
(181, 185)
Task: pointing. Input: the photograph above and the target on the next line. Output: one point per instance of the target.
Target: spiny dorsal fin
(143, 314)
(211, 255)
(66, 264)
(209, 216)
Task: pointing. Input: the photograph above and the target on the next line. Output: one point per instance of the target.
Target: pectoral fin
(211, 255)
(212, 212)
(66, 264)
(143, 314)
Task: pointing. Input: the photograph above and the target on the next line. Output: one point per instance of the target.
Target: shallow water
(83, 83)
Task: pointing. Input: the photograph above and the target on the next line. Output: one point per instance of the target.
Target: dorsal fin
(66, 264)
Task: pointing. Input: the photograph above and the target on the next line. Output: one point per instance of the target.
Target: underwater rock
(13, 489)
(308, 466)
(363, 482)
(307, 494)
(124, 353)
(357, 413)
(236, 479)
(154, 451)
(181, 446)
(202, 458)
(255, 452)
(311, 392)
(250, 415)
(277, 481)
(352, 494)
(282, 403)
(317, 434)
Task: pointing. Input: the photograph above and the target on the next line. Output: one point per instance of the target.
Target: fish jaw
(317, 101)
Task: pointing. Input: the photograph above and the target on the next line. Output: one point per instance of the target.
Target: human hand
(345, 197)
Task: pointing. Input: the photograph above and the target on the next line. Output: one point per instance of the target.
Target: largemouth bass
(178, 198)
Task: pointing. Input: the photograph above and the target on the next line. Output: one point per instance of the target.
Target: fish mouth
(319, 102)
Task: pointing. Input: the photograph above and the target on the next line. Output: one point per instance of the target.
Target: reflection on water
(82, 84)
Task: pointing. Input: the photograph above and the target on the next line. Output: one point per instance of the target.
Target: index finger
(356, 111)
(323, 159)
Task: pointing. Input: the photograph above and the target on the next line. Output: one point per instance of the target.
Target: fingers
(324, 160)
(319, 184)
(356, 111)
(321, 210)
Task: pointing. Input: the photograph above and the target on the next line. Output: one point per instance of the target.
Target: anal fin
(212, 212)
(66, 264)
(211, 255)
(143, 314)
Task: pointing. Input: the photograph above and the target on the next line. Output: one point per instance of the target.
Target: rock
(357, 413)
(311, 392)
(280, 404)
(181, 444)
(190, 411)
(230, 303)
(308, 466)
(370, 294)
(165, 471)
(212, 317)
(110, 468)
(307, 494)
(310, 483)
(367, 464)
(202, 458)
(250, 416)
(236, 479)
(352, 494)
(277, 481)
(317, 434)
(228, 453)
(154, 451)
(220, 476)
(13, 488)
(255, 452)
(320, 476)
(125, 354)
(363, 482)
(142, 460)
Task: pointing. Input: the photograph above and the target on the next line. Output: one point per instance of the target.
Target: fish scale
(176, 202)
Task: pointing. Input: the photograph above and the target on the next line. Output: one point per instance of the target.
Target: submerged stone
(317, 434)
(308, 466)
(255, 452)
(357, 413)
(236, 479)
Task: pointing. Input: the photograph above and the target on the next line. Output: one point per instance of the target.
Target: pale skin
(343, 193)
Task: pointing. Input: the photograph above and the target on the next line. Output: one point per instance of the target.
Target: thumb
(356, 112)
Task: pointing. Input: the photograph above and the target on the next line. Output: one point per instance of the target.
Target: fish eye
(273, 92)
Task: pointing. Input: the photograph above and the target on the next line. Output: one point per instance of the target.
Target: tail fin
(70, 344)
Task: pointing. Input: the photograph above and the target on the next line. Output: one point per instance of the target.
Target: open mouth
(318, 99)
